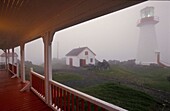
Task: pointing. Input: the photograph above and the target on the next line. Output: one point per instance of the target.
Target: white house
(9, 55)
(80, 57)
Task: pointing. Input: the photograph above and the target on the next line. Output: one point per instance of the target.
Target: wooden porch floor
(11, 99)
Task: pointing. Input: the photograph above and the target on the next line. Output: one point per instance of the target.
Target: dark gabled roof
(77, 51)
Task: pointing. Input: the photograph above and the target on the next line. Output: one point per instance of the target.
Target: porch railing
(13, 68)
(38, 84)
(64, 98)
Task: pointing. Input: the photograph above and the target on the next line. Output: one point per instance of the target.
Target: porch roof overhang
(22, 21)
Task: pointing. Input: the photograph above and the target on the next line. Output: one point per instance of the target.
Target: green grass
(143, 75)
(123, 96)
(104, 84)
(64, 77)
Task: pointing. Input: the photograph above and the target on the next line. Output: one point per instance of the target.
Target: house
(9, 55)
(80, 57)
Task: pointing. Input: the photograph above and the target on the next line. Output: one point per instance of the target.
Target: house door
(71, 61)
(82, 62)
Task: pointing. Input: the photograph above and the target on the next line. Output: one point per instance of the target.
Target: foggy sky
(112, 37)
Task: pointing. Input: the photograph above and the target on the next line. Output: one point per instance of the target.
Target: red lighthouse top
(147, 17)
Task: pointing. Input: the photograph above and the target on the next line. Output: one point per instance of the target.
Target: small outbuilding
(9, 55)
(79, 57)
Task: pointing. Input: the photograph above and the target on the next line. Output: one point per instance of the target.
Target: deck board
(11, 99)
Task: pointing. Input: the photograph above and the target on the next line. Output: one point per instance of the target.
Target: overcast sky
(113, 36)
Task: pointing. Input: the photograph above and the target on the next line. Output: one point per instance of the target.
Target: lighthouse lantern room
(147, 45)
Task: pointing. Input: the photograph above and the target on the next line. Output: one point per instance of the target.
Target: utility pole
(57, 50)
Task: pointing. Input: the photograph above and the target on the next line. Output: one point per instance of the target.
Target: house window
(86, 52)
(91, 59)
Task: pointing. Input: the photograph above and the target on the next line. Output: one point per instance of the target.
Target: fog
(112, 37)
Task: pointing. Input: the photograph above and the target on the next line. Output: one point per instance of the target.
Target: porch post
(6, 59)
(12, 59)
(12, 55)
(22, 53)
(47, 39)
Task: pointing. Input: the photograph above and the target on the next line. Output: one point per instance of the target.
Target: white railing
(37, 82)
(64, 98)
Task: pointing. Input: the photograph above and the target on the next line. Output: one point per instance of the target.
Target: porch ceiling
(26, 20)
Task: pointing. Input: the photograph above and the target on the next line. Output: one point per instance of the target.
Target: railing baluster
(103, 109)
(40, 86)
(89, 106)
(52, 94)
(55, 98)
(72, 104)
(41, 83)
(95, 108)
(38, 82)
(82, 104)
(77, 103)
(64, 100)
(33, 81)
(60, 98)
(43, 87)
(68, 102)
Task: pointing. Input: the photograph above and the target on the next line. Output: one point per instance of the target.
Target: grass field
(117, 85)
(154, 77)
(124, 96)
(61, 77)
(114, 85)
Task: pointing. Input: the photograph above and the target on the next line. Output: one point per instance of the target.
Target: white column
(12, 59)
(22, 53)
(47, 39)
(12, 55)
(6, 59)
(17, 69)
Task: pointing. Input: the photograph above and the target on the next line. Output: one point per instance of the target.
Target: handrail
(88, 98)
(38, 75)
(14, 65)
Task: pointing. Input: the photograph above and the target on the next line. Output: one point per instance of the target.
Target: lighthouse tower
(147, 46)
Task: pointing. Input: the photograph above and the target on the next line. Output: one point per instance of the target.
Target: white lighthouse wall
(147, 45)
